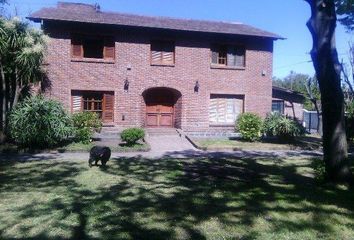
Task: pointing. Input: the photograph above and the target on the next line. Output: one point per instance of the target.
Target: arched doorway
(162, 107)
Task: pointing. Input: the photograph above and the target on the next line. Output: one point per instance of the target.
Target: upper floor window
(162, 53)
(96, 47)
(228, 56)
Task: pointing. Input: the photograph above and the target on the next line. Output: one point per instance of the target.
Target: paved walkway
(160, 143)
(161, 154)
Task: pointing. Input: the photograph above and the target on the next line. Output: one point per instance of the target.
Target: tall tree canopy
(345, 11)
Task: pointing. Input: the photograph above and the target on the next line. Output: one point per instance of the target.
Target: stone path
(169, 143)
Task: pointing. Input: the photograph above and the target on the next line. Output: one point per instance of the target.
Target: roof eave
(40, 19)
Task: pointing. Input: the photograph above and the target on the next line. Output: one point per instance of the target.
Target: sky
(284, 17)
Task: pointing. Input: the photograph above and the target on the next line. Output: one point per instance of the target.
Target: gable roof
(86, 13)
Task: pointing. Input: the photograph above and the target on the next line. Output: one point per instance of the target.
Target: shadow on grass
(200, 196)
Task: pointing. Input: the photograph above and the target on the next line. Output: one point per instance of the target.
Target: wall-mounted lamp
(196, 87)
(264, 72)
(126, 85)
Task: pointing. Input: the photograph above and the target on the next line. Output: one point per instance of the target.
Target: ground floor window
(278, 106)
(99, 102)
(225, 108)
(93, 103)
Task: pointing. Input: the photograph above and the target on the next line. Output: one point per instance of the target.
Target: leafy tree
(22, 51)
(345, 9)
(324, 55)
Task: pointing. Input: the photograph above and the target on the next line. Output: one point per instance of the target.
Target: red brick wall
(192, 63)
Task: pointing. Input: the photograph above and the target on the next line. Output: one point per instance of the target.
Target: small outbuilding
(288, 102)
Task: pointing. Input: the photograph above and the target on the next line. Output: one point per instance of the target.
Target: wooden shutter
(76, 47)
(221, 110)
(168, 53)
(162, 52)
(156, 52)
(230, 110)
(231, 56)
(108, 107)
(109, 48)
(213, 110)
(155, 57)
(240, 57)
(214, 55)
(224, 109)
(76, 103)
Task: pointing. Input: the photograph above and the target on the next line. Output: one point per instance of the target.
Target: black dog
(98, 153)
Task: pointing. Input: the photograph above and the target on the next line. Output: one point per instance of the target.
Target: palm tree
(22, 50)
(3, 53)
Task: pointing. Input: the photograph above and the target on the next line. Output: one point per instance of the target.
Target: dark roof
(85, 13)
(288, 92)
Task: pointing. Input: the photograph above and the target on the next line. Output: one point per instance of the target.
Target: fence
(310, 121)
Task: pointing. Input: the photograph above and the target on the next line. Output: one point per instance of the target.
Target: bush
(85, 124)
(132, 135)
(38, 122)
(249, 125)
(276, 125)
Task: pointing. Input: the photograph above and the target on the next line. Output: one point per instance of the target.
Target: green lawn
(306, 143)
(201, 198)
(115, 147)
(78, 147)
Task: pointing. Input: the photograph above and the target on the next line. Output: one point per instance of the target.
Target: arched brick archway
(163, 107)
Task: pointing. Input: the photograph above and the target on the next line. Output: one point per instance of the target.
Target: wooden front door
(159, 108)
(159, 115)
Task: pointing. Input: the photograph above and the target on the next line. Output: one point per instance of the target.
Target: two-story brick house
(156, 71)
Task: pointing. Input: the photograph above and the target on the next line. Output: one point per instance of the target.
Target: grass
(219, 197)
(77, 147)
(307, 143)
(83, 147)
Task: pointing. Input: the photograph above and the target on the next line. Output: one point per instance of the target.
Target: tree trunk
(324, 55)
(3, 93)
(18, 89)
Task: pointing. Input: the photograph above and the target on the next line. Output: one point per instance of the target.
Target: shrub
(132, 135)
(85, 124)
(249, 125)
(38, 122)
(282, 127)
